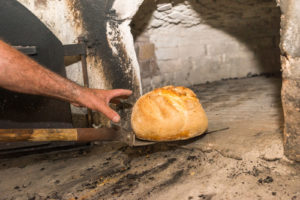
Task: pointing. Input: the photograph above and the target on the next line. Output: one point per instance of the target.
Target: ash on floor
(245, 161)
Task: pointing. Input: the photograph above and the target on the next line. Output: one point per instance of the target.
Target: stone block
(290, 47)
(173, 20)
(290, 67)
(149, 68)
(167, 53)
(194, 50)
(291, 109)
(182, 8)
(204, 70)
(213, 48)
(176, 15)
(164, 40)
(159, 15)
(168, 79)
(143, 38)
(146, 82)
(181, 78)
(156, 23)
(156, 81)
(164, 7)
(290, 28)
(166, 66)
(146, 51)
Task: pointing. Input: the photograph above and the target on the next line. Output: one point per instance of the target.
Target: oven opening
(228, 53)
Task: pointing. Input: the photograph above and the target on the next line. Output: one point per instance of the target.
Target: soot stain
(117, 69)
(131, 180)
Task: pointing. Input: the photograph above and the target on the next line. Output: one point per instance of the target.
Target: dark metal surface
(28, 50)
(80, 49)
(105, 134)
(139, 142)
(20, 27)
(85, 79)
(74, 49)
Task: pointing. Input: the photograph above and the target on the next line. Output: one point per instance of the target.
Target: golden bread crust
(168, 113)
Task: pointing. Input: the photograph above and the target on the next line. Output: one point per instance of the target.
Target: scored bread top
(168, 113)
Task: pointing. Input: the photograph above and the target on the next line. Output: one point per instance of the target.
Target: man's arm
(19, 73)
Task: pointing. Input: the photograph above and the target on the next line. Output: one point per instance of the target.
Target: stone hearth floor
(245, 161)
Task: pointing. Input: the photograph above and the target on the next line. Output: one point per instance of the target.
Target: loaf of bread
(167, 114)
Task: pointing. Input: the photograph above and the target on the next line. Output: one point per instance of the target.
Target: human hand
(98, 100)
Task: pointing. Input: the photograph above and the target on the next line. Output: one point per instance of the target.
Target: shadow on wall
(255, 23)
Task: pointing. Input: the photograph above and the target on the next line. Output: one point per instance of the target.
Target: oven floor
(244, 162)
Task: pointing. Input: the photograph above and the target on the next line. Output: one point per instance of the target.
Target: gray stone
(149, 68)
(176, 15)
(290, 68)
(290, 46)
(164, 7)
(290, 33)
(156, 81)
(167, 66)
(157, 23)
(167, 53)
(173, 20)
(159, 15)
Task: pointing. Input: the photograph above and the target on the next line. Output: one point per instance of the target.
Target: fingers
(115, 101)
(121, 93)
(77, 104)
(110, 113)
(123, 97)
(99, 99)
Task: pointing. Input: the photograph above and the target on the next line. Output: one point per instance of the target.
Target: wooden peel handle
(16, 135)
(75, 134)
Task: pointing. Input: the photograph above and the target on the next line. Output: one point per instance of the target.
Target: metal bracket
(28, 50)
(74, 49)
(80, 49)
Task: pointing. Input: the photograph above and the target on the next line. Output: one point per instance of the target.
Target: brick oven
(240, 57)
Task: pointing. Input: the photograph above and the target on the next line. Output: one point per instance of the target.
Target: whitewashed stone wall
(205, 40)
(65, 19)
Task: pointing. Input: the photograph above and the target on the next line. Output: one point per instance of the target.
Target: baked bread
(167, 114)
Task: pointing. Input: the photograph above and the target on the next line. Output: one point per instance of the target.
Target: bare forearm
(21, 74)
